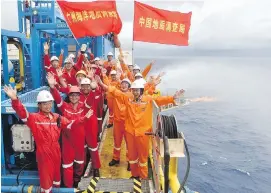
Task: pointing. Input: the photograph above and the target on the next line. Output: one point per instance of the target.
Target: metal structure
(39, 21)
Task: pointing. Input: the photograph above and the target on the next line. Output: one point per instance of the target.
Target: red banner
(91, 18)
(161, 26)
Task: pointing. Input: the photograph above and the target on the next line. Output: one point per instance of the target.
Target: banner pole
(67, 23)
(133, 62)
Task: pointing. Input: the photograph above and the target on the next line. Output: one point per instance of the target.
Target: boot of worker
(78, 172)
(128, 167)
(75, 184)
(135, 177)
(96, 173)
(114, 162)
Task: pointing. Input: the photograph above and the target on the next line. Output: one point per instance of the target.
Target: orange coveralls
(119, 122)
(138, 121)
(110, 98)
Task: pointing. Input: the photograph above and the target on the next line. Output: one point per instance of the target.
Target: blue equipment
(40, 21)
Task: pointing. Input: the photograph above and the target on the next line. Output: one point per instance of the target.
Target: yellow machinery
(21, 62)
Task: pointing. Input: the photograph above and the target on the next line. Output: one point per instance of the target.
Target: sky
(216, 26)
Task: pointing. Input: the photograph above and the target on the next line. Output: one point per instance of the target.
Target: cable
(187, 168)
(17, 179)
(169, 129)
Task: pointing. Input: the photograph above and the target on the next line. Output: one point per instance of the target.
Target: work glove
(83, 48)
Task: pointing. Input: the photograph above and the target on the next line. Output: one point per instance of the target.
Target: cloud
(215, 25)
(9, 15)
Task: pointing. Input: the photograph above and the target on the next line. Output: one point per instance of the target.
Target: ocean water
(229, 139)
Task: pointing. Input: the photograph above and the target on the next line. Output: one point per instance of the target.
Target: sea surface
(229, 138)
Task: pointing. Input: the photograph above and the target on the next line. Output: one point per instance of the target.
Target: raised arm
(21, 111)
(61, 58)
(164, 100)
(47, 63)
(147, 69)
(58, 99)
(67, 124)
(79, 62)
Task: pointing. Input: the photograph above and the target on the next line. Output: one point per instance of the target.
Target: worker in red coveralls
(45, 127)
(100, 114)
(53, 64)
(73, 142)
(64, 86)
(96, 73)
(72, 56)
(50, 64)
(70, 69)
(89, 96)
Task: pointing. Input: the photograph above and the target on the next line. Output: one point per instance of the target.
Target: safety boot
(128, 167)
(114, 162)
(75, 184)
(109, 125)
(135, 177)
(96, 173)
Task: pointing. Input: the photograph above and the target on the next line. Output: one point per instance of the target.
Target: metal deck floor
(116, 178)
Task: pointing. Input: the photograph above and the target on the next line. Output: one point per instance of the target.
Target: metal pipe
(33, 189)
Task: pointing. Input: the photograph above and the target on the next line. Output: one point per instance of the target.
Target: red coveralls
(49, 68)
(91, 126)
(46, 134)
(73, 141)
(100, 105)
(70, 76)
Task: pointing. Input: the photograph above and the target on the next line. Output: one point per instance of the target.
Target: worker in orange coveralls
(45, 127)
(138, 121)
(112, 82)
(119, 122)
(73, 142)
(108, 65)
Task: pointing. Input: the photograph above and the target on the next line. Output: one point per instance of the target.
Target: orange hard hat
(81, 72)
(74, 89)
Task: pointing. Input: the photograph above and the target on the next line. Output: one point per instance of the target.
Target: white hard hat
(136, 67)
(85, 81)
(142, 80)
(71, 56)
(113, 72)
(126, 80)
(130, 64)
(54, 58)
(137, 84)
(97, 59)
(44, 96)
(68, 60)
(139, 74)
(110, 54)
